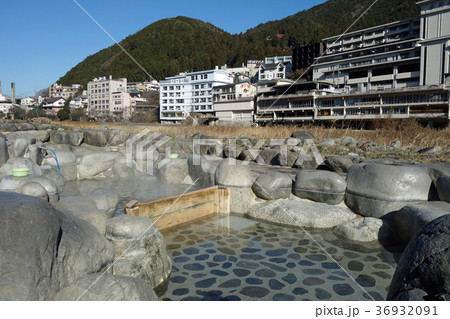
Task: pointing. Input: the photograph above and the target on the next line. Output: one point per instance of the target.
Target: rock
(443, 188)
(304, 135)
(411, 218)
(362, 229)
(31, 136)
(43, 250)
(174, 171)
(106, 287)
(267, 156)
(176, 147)
(121, 170)
(106, 200)
(301, 214)
(341, 164)
(233, 175)
(375, 190)
(272, 186)
(117, 137)
(52, 174)
(142, 249)
(320, 186)
(232, 152)
(50, 187)
(328, 142)
(64, 157)
(4, 155)
(67, 137)
(96, 138)
(19, 147)
(346, 141)
(35, 153)
(33, 189)
(25, 127)
(286, 159)
(20, 163)
(423, 271)
(95, 163)
(396, 144)
(7, 127)
(203, 169)
(306, 161)
(85, 209)
(431, 150)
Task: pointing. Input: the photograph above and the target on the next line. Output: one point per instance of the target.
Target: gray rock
(267, 157)
(341, 164)
(203, 169)
(67, 137)
(362, 230)
(33, 189)
(31, 136)
(272, 186)
(96, 138)
(423, 271)
(349, 141)
(301, 214)
(306, 161)
(431, 150)
(396, 144)
(44, 250)
(7, 127)
(304, 135)
(19, 147)
(69, 172)
(320, 186)
(117, 137)
(35, 153)
(52, 174)
(443, 188)
(64, 157)
(106, 287)
(328, 142)
(176, 147)
(50, 187)
(121, 169)
(375, 190)
(411, 218)
(248, 155)
(20, 163)
(234, 175)
(240, 199)
(106, 200)
(4, 155)
(141, 248)
(95, 163)
(26, 127)
(286, 159)
(174, 171)
(85, 209)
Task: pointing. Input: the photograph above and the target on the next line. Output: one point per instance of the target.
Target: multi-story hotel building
(66, 92)
(397, 70)
(189, 93)
(100, 95)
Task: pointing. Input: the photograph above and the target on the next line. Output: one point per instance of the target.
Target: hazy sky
(42, 40)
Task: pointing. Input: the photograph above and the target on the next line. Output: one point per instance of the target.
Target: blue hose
(56, 158)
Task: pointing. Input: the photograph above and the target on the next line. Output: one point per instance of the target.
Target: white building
(273, 71)
(79, 102)
(121, 105)
(100, 95)
(52, 105)
(143, 86)
(27, 102)
(190, 93)
(58, 90)
(234, 103)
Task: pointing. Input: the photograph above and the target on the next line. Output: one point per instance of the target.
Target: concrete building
(189, 93)
(234, 103)
(78, 102)
(100, 95)
(52, 105)
(28, 102)
(303, 56)
(66, 92)
(143, 86)
(275, 68)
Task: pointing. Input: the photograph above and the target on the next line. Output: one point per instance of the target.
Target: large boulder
(4, 155)
(20, 163)
(203, 169)
(320, 186)
(26, 127)
(8, 127)
(423, 271)
(341, 163)
(53, 174)
(96, 137)
(237, 178)
(43, 250)
(363, 229)
(443, 188)
(174, 171)
(411, 218)
(33, 189)
(117, 137)
(272, 186)
(140, 248)
(121, 169)
(37, 136)
(71, 138)
(304, 135)
(19, 147)
(95, 163)
(64, 158)
(301, 214)
(375, 190)
(267, 157)
(106, 287)
(106, 200)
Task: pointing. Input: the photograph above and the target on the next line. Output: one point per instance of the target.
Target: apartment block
(100, 95)
(189, 93)
(304, 55)
(66, 92)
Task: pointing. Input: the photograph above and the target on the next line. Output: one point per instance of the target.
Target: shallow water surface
(234, 258)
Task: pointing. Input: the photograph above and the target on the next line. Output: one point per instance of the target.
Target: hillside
(173, 45)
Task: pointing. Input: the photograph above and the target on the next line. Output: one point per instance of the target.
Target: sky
(42, 40)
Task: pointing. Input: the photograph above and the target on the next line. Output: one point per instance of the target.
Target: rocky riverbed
(60, 246)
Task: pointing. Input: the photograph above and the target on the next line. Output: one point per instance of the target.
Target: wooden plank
(188, 215)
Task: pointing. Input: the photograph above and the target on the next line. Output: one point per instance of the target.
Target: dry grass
(409, 132)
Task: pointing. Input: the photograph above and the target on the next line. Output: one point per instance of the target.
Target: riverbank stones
(320, 186)
(341, 163)
(272, 186)
(361, 230)
(411, 218)
(95, 163)
(375, 190)
(71, 138)
(423, 272)
(301, 214)
(141, 248)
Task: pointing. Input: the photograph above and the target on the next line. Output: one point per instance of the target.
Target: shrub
(64, 114)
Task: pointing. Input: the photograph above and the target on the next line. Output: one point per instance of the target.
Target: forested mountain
(179, 44)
